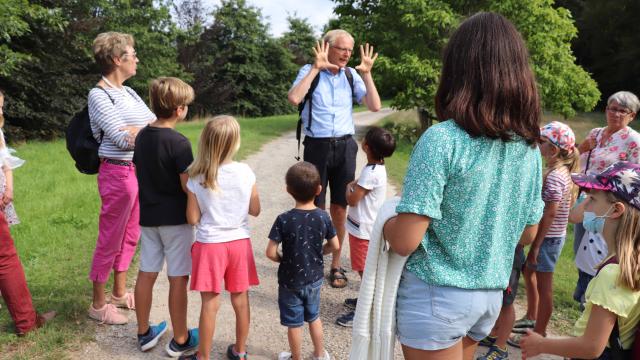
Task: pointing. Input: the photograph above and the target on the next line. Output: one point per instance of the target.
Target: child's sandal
(337, 278)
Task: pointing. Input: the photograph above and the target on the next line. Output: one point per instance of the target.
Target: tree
(607, 44)
(190, 13)
(299, 40)
(44, 92)
(191, 17)
(15, 18)
(411, 34)
(238, 67)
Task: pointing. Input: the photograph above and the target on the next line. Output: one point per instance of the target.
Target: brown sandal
(337, 278)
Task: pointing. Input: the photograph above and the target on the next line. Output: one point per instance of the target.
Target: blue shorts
(299, 305)
(433, 317)
(549, 253)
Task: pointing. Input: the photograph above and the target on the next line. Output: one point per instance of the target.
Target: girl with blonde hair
(608, 324)
(221, 195)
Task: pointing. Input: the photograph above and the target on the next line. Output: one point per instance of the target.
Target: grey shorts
(170, 242)
(433, 317)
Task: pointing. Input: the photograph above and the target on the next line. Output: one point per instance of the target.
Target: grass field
(58, 207)
(566, 310)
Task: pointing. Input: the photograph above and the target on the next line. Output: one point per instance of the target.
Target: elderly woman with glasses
(603, 147)
(615, 142)
(117, 113)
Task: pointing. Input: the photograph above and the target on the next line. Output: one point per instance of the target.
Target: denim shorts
(433, 317)
(549, 253)
(299, 305)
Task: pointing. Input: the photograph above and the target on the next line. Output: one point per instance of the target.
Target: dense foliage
(410, 36)
(607, 42)
(236, 66)
(47, 66)
(52, 68)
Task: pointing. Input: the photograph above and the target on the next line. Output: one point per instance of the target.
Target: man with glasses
(327, 122)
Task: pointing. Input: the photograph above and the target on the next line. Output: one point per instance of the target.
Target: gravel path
(266, 337)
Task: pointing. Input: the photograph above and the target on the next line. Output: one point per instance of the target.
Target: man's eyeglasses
(344, 50)
(617, 111)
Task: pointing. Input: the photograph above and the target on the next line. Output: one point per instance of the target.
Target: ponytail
(570, 159)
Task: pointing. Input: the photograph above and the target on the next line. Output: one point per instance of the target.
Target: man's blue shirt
(332, 105)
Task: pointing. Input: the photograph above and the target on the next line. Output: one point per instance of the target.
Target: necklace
(122, 90)
(110, 84)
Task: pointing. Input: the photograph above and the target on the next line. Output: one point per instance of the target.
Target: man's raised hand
(367, 58)
(322, 57)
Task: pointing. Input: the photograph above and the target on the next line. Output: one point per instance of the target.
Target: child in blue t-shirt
(302, 231)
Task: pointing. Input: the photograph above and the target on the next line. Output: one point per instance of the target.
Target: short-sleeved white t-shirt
(593, 249)
(360, 218)
(225, 211)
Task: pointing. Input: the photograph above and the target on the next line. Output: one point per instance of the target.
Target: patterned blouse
(623, 145)
(480, 193)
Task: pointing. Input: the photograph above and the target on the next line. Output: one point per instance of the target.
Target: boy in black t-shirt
(162, 156)
(301, 231)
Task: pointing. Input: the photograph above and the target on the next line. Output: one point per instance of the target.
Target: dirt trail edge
(267, 338)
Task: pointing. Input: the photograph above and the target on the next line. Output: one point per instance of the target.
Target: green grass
(59, 208)
(361, 108)
(566, 310)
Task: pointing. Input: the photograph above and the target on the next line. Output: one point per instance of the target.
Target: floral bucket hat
(559, 134)
(621, 178)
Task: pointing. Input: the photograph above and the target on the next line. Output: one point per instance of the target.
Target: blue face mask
(594, 223)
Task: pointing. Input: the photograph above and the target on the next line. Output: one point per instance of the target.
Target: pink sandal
(127, 301)
(108, 314)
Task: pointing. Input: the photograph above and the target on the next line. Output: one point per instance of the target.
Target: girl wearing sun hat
(607, 326)
(557, 147)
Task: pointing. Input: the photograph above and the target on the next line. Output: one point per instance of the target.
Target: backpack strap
(112, 101)
(615, 343)
(349, 76)
(309, 98)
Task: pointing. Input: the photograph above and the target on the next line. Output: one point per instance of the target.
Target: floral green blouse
(480, 193)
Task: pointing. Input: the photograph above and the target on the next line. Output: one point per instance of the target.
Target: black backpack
(81, 144)
(309, 97)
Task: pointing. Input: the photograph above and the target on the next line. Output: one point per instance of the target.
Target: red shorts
(358, 249)
(229, 261)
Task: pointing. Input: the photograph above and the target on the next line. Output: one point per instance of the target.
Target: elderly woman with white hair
(603, 147)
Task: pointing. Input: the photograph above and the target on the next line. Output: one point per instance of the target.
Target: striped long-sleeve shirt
(127, 109)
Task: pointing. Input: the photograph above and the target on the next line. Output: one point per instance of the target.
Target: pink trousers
(119, 225)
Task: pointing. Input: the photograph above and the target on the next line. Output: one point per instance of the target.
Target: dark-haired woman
(471, 192)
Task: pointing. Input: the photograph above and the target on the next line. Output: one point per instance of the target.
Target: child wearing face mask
(592, 249)
(608, 325)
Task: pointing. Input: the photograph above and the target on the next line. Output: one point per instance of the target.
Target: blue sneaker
(495, 353)
(189, 357)
(146, 342)
(175, 350)
(232, 355)
(346, 320)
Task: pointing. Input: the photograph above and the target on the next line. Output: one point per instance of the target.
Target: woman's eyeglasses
(617, 111)
(133, 55)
